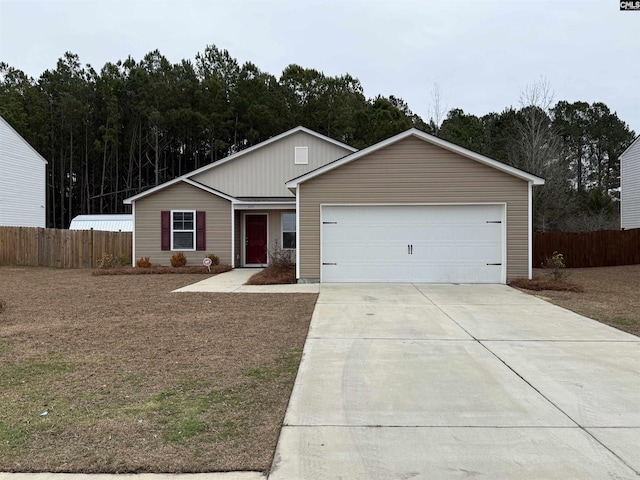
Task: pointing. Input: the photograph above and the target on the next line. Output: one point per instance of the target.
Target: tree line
(111, 134)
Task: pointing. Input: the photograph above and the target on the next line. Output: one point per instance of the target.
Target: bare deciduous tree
(437, 110)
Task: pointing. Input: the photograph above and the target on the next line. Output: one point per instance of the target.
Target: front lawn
(610, 295)
(116, 374)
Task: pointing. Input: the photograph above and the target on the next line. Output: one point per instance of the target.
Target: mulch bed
(162, 270)
(274, 275)
(134, 378)
(541, 283)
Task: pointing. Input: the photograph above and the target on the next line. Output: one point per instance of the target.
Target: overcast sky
(482, 54)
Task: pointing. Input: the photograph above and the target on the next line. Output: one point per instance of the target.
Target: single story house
(630, 186)
(411, 208)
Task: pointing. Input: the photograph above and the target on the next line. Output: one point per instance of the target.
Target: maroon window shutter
(165, 230)
(201, 231)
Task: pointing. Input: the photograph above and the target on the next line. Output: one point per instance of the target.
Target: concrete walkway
(459, 381)
(234, 281)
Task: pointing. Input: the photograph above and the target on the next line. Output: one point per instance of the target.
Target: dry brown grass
(161, 270)
(137, 379)
(544, 283)
(610, 295)
(273, 275)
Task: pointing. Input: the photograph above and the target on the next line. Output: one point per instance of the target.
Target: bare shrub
(178, 260)
(108, 260)
(279, 258)
(556, 267)
(143, 262)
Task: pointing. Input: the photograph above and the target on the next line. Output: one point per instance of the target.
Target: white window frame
(301, 156)
(193, 212)
(282, 230)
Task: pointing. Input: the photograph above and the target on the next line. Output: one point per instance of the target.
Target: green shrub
(178, 260)
(143, 262)
(124, 260)
(556, 267)
(215, 260)
(108, 260)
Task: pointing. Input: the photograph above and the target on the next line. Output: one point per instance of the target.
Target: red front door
(256, 239)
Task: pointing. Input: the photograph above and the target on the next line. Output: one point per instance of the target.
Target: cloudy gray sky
(482, 54)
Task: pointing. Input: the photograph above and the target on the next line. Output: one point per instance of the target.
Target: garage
(414, 208)
(413, 243)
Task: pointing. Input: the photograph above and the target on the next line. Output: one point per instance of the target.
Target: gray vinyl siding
(630, 187)
(263, 172)
(414, 171)
(182, 196)
(22, 181)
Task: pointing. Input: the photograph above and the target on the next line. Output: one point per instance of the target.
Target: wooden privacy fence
(603, 248)
(50, 247)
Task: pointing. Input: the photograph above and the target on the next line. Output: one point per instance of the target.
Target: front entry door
(255, 239)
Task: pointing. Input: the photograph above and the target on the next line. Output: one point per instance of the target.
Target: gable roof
(235, 156)
(23, 140)
(414, 132)
(202, 186)
(628, 149)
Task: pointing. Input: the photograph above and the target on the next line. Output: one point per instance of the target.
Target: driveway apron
(412, 381)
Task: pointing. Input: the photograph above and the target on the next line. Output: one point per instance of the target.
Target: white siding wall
(22, 181)
(630, 187)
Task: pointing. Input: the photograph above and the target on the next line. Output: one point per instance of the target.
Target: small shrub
(280, 259)
(124, 260)
(143, 262)
(178, 260)
(555, 267)
(3, 305)
(108, 260)
(215, 260)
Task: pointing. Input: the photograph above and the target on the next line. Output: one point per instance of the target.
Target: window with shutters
(183, 230)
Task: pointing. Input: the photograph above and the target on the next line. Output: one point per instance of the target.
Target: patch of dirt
(610, 295)
(134, 378)
(274, 275)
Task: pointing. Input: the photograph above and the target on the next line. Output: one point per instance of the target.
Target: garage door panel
(445, 243)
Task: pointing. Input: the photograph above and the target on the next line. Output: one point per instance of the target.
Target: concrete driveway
(406, 381)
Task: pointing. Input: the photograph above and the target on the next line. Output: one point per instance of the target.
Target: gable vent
(301, 155)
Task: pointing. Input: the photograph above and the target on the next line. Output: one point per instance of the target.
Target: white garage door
(413, 243)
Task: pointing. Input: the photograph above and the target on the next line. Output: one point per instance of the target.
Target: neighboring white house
(106, 223)
(22, 181)
(630, 186)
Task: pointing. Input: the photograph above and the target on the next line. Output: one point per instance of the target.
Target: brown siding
(182, 196)
(414, 171)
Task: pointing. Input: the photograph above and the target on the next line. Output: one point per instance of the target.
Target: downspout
(297, 233)
(530, 232)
